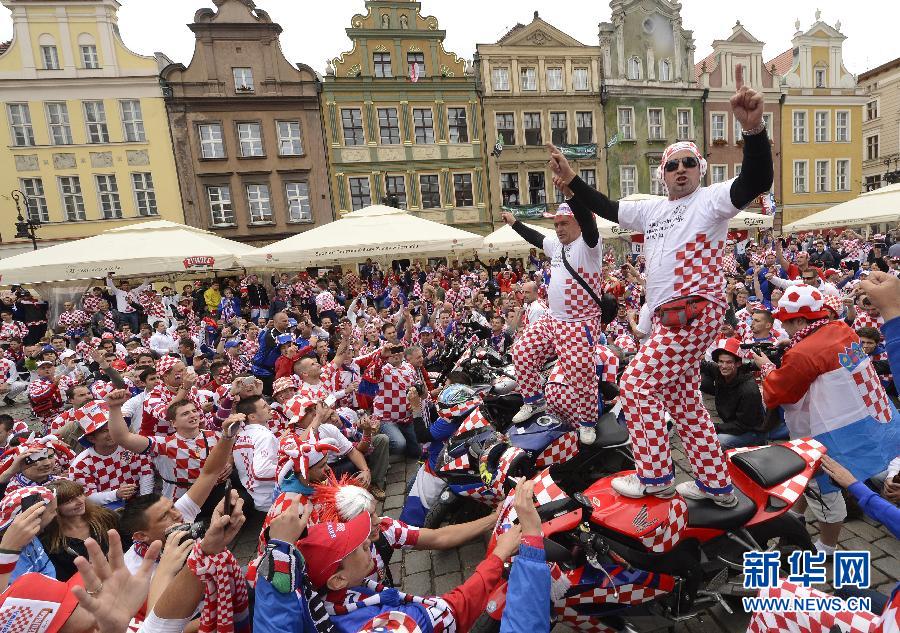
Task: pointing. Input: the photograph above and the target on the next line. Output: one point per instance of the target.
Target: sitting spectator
(24, 514)
(11, 386)
(738, 400)
(256, 451)
(44, 394)
(34, 462)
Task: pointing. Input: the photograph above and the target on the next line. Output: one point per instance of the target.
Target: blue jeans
(402, 438)
(131, 318)
(751, 438)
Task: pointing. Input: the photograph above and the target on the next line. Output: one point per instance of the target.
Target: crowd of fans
(155, 408)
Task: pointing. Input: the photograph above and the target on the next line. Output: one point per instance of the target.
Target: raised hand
(115, 399)
(559, 164)
(508, 217)
(747, 104)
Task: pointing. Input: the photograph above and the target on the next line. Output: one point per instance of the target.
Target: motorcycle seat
(707, 514)
(610, 432)
(770, 465)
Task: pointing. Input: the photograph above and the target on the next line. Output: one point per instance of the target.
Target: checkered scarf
(226, 603)
(799, 335)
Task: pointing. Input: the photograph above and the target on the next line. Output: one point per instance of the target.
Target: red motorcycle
(614, 559)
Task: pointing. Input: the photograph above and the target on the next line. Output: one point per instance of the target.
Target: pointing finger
(739, 76)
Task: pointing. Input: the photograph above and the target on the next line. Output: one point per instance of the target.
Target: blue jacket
(277, 612)
(267, 354)
(33, 559)
(528, 594)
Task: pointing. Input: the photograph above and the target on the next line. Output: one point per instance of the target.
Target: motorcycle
(615, 559)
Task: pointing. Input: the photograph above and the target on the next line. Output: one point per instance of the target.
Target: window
(388, 126)
(529, 79)
(89, 58)
(822, 175)
(589, 176)
(133, 121)
(628, 179)
(260, 204)
(537, 191)
(717, 127)
(554, 79)
(396, 186)
(144, 194)
(767, 118)
(509, 188)
(872, 110)
(873, 182)
(506, 128)
(584, 124)
(297, 194)
(842, 126)
(626, 123)
(417, 60)
(532, 122)
(72, 199)
(382, 62)
(220, 210)
(800, 176)
(842, 175)
(20, 122)
(360, 196)
(738, 129)
(423, 123)
(719, 173)
(250, 139)
(95, 121)
(58, 118)
(685, 124)
(665, 70)
(799, 120)
(737, 169)
(820, 77)
(50, 57)
(289, 141)
(462, 190)
(243, 79)
(33, 188)
(459, 128)
(108, 196)
(820, 125)
(430, 190)
(634, 68)
(559, 132)
(500, 78)
(655, 123)
(657, 186)
(351, 121)
(580, 79)
(212, 145)
(872, 147)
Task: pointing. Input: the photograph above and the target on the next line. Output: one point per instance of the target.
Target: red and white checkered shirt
(154, 420)
(864, 319)
(72, 320)
(101, 474)
(109, 321)
(390, 404)
(179, 460)
(7, 369)
(91, 303)
(320, 390)
(13, 329)
(238, 364)
(46, 400)
(60, 421)
(325, 302)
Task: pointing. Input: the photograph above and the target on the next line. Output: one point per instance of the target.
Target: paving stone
(396, 459)
(472, 554)
(395, 501)
(394, 513)
(415, 561)
(447, 582)
(396, 488)
(889, 565)
(860, 544)
(869, 532)
(887, 588)
(417, 584)
(445, 562)
(876, 577)
(889, 545)
(395, 475)
(397, 571)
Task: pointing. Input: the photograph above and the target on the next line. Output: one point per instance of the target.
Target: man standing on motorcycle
(684, 241)
(569, 330)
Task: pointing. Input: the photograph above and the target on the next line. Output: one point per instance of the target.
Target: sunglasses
(689, 162)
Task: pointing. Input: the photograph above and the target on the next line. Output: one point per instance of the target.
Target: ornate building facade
(881, 125)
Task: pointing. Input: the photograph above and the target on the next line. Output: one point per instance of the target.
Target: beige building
(881, 125)
(539, 86)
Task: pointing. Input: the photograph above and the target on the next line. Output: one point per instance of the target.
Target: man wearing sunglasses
(684, 244)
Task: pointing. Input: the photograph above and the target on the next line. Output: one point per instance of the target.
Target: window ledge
(213, 227)
(251, 157)
(309, 221)
(265, 223)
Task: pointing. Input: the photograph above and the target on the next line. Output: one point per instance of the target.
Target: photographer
(738, 400)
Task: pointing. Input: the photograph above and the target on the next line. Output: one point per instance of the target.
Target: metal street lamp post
(25, 228)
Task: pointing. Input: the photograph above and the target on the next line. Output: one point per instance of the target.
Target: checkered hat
(11, 505)
(282, 384)
(626, 343)
(564, 209)
(297, 407)
(35, 602)
(301, 456)
(834, 303)
(391, 622)
(92, 416)
(165, 364)
(801, 301)
(674, 148)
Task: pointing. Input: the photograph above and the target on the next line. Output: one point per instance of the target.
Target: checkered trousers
(572, 385)
(816, 621)
(101, 473)
(665, 375)
(179, 460)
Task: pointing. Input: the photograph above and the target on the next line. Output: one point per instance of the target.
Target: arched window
(87, 51)
(665, 70)
(49, 52)
(634, 67)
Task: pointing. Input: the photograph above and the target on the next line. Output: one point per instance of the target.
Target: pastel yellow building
(86, 133)
(821, 144)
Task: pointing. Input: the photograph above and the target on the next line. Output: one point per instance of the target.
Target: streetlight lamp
(25, 228)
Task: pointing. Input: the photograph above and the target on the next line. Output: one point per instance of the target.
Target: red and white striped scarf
(226, 603)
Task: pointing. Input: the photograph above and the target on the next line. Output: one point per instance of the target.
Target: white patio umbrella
(872, 207)
(376, 231)
(743, 220)
(506, 240)
(145, 248)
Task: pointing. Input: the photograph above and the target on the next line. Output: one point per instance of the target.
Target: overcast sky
(314, 30)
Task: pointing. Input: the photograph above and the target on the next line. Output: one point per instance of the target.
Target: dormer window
(820, 78)
(243, 80)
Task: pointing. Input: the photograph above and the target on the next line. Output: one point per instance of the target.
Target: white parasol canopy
(743, 220)
(374, 231)
(145, 248)
(872, 207)
(506, 240)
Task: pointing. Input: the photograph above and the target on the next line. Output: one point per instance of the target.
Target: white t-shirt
(255, 459)
(567, 299)
(684, 242)
(189, 511)
(331, 434)
(535, 310)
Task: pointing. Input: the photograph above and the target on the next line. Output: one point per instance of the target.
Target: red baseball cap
(37, 602)
(119, 365)
(327, 544)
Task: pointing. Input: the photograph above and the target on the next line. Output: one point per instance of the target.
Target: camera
(769, 350)
(195, 530)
